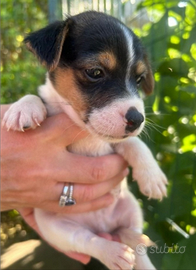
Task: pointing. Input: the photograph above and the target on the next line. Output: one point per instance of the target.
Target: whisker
(151, 122)
(150, 127)
(145, 133)
(78, 134)
(157, 115)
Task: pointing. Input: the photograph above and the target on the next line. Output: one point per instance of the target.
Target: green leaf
(183, 258)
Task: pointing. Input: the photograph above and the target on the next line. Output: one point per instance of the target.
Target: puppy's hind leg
(139, 243)
(68, 235)
(132, 236)
(143, 262)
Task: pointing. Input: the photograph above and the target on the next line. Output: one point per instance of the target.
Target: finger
(49, 197)
(28, 216)
(116, 238)
(53, 205)
(84, 193)
(110, 237)
(81, 192)
(93, 205)
(62, 127)
(87, 193)
(87, 170)
(105, 235)
(83, 258)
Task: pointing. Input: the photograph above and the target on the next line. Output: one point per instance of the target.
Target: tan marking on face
(108, 60)
(141, 68)
(67, 88)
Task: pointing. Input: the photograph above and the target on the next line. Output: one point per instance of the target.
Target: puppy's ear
(47, 43)
(148, 83)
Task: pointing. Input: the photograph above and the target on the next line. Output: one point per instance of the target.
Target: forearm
(134, 151)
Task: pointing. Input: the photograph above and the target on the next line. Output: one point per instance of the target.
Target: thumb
(61, 126)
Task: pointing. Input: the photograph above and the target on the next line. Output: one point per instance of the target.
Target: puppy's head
(97, 65)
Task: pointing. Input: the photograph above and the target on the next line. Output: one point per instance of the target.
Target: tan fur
(60, 40)
(66, 87)
(108, 60)
(148, 83)
(141, 68)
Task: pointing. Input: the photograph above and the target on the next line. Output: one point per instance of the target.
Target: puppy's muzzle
(133, 119)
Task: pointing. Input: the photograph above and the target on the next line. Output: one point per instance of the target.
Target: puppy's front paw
(26, 113)
(152, 181)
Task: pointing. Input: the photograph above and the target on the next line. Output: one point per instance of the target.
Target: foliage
(21, 74)
(14, 229)
(170, 37)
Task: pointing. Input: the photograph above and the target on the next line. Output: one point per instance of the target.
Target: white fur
(129, 42)
(78, 232)
(110, 121)
(131, 56)
(27, 112)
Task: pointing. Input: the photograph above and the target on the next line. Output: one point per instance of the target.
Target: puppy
(95, 67)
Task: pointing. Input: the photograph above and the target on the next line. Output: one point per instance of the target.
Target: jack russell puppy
(95, 67)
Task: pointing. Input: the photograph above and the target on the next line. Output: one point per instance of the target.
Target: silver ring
(66, 198)
(70, 200)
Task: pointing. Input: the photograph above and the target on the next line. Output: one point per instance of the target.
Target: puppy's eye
(139, 79)
(94, 74)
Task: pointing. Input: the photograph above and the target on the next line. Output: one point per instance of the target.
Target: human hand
(35, 165)
(29, 180)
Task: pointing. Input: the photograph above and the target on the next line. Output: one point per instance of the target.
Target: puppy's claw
(8, 128)
(26, 113)
(37, 123)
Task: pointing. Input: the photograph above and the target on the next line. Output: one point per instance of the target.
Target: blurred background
(168, 31)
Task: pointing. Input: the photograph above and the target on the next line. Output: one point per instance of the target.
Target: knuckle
(98, 173)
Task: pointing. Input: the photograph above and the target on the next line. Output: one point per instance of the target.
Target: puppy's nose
(134, 119)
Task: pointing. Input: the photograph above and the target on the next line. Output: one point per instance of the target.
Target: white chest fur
(91, 146)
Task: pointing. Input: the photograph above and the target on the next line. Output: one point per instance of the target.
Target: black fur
(79, 40)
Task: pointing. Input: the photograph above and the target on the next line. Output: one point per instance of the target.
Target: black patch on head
(90, 34)
(81, 38)
(47, 43)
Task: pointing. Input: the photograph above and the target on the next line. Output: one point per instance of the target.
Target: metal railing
(124, 10)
